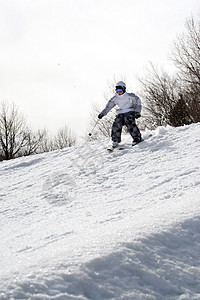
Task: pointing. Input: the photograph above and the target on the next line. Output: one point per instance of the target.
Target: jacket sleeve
(109, 106)
(136, 103)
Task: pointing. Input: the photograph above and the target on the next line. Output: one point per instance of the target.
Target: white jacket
(126, 102)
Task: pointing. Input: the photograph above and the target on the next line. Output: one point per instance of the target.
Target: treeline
(175, 100)
(17, 139)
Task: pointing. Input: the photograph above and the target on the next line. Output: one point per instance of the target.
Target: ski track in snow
(81, 223)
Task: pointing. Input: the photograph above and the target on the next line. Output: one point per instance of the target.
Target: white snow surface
(82, 223)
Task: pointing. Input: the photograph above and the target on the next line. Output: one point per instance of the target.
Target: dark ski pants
(127, 119)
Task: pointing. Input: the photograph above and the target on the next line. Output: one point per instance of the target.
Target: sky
(57, 56)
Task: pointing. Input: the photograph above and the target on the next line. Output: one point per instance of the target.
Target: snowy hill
(81, 223)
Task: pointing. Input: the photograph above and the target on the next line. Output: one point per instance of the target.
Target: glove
(137, 115)
(100, 116)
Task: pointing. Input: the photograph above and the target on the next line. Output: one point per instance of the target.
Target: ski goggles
(119, 90)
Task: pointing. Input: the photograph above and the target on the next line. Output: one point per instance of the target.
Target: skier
(129, 109)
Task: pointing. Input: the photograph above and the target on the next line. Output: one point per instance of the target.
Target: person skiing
(129, 109)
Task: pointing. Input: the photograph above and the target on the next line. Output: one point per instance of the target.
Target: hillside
(80, 223)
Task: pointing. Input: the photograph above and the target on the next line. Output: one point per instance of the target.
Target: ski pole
(94, 127)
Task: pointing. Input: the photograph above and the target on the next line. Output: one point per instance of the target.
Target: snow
(81, 223)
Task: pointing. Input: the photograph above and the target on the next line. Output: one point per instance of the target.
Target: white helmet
(121, 83)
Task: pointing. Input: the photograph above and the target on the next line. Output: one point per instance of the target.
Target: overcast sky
(56, 56)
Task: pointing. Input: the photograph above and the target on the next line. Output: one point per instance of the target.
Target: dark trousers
(127, 119)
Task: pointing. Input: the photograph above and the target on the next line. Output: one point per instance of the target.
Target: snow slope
(81, 223)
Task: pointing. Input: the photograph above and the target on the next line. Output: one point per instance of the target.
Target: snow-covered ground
(81, 223)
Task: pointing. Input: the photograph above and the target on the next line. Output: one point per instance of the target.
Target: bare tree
(13, 131)
(186, 52)
(161, 93)
(64, 138)
(46, 143)
(16, 139)
(34, 142)
(186, 56)
(176, 99)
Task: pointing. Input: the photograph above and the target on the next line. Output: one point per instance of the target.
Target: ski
(129, 146)
(111, 149)
(123, 147)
